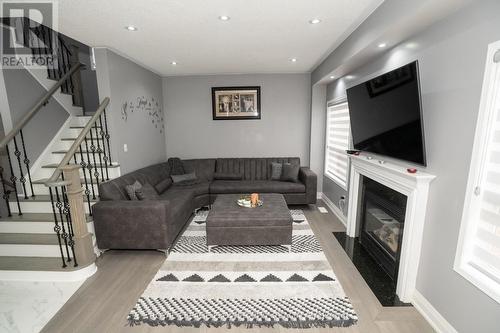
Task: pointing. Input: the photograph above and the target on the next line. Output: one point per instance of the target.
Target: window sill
(480, 280)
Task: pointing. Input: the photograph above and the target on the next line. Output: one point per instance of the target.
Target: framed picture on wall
(235, 103)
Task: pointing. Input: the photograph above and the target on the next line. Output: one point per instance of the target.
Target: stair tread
(34, 217)
(40, 198)
(32, 239)
(65, 151)
(54, 165)
(34, 264)
(78, 126)
(88, 139)
(82, 180)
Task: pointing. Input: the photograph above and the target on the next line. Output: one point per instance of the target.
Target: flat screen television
(386, 115)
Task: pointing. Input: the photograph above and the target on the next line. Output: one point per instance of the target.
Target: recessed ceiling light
(315, 21)
(224, 18)
(349, 77)
(332, 77)
(293, 60)
(382, 45)
(173, 63)
(131, 28)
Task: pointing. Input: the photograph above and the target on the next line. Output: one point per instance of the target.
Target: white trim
(463, 261)
(335, 210)
(433, 317)
(416, 187)
(61, 276)
(319, 195)
(338, 100)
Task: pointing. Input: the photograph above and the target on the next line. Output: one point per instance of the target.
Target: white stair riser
(30, 250)
(80, 121)
(44, 173)
(8, 227)
(57, 158)
(38, 207)
(42, 189)
(66, 144)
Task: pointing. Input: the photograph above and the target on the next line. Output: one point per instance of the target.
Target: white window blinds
(478, 252)
(337, 142)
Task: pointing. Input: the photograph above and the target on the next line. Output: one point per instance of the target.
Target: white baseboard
(335, 210)
(433, 317)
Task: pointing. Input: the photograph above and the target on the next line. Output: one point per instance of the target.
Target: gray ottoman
(229, 224)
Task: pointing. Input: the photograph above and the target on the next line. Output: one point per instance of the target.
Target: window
(478, 250)
(337, 142)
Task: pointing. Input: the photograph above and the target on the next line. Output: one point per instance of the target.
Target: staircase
(41, 232)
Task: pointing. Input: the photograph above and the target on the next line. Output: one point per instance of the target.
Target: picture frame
(236, 103)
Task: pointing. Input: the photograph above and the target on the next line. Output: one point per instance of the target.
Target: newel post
(84, 249)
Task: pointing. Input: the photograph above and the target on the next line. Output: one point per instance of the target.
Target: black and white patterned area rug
(245, 285)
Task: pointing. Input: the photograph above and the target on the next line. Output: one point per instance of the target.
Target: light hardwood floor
(103, 301)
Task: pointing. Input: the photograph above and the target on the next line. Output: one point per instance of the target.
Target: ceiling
(262, 36)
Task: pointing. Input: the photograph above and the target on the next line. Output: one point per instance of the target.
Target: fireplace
(382, 221)
(411, 188)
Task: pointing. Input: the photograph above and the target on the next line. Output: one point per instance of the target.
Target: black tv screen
(386, 115)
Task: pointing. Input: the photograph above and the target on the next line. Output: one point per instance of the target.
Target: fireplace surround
(415, 188)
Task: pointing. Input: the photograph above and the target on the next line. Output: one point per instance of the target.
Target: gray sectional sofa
(154, 224)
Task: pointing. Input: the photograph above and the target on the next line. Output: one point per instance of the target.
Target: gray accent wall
(451, 55)
(126, 82)
(283, 129)
(23, 92)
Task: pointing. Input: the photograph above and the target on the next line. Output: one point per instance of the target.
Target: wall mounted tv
(386, 115)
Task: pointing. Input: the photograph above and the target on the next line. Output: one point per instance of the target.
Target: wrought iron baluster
(27, 163)
(93, 149)
(13, 179)
(99, 150)
(6, 193)
(105, 155)
(57, 227)
(71, 234)
(107, 136)
(89, 168)
(59, 206)
(17, 153)
(87, 192)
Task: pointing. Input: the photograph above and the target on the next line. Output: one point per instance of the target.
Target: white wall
(451, 56)
(127, 82)
(283, 129)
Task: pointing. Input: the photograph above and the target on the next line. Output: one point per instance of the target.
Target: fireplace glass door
(381, 234)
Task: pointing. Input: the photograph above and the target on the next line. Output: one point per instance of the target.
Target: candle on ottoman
(254, 199)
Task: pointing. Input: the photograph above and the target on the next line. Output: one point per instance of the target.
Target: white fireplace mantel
(416, 187)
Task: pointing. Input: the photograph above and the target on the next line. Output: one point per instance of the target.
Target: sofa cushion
(147, 192)
(187, 177)
(200, 188)
(262, 186)
(276, 170)
(290, 172)
(204, 168)
(228, 176)
(132, 190)
(252, 168)
(181, 201)
(163, 185)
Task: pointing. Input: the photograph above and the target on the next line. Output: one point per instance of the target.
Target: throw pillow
(131, 189)
(290, 172)
(176, 166)
(276, 170)
(147, 192)
(228, 176)
(163, 185)
(178, 179)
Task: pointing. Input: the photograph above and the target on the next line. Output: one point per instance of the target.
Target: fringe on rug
(248, 324)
